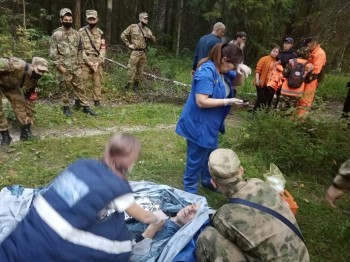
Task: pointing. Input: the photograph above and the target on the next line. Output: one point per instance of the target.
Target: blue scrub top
(202, 125)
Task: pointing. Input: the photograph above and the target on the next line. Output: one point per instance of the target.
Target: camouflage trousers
(74, 79)
(88, 74)
(213, 247)
(18, 104)
(136, 64)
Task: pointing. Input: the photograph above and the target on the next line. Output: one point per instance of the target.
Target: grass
(151, 116)
(162, 161)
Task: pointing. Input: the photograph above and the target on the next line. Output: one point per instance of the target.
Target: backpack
(295, 78)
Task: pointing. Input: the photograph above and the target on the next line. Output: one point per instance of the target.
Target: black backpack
(295, 78)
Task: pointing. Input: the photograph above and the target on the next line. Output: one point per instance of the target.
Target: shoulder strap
(269, 211)
(92, 44)
(143, 36)
(24, 75)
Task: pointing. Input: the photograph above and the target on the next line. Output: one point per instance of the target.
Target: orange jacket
(276, 77)
(318, 59)
(264, 67)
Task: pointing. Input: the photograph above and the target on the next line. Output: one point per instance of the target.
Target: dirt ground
(327, 110)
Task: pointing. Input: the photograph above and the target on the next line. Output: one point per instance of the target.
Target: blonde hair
(120, 145)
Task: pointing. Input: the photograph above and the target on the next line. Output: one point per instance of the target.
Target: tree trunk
(77, 14)
(160, 25)
(24, 15)
(181, 5)
(109, 21)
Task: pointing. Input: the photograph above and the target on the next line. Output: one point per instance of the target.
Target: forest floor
(329, 110)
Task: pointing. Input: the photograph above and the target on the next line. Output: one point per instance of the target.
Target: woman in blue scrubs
(206, 108)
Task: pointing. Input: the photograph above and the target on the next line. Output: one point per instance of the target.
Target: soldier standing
(94, 49)
(66, 52)
(136, 37)
(239, 230)
(18, 81)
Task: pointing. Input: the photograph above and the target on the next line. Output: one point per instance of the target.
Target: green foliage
(312, 147)
(333, 87)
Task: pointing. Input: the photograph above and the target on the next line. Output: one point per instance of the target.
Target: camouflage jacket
(259, 235)
(342, 180)
(133, 35)
(66, 48)
(97, 39)
(14, 74)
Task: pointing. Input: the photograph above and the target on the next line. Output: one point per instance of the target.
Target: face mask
(67, 24)
(92, 25)
(35, 75)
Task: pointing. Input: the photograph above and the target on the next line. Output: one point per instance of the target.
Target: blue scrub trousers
(196, 166)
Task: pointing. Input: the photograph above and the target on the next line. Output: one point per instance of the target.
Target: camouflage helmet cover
(224, 165)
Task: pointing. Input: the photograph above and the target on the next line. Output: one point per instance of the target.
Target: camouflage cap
(344, 169)
(65, 11)
(91, 13)
(41, 63)
(143, 15)
(224, 165)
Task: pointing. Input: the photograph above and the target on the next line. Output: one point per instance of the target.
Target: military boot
(97, 103)
(87, 110)
(77, 104)
(6, 139)
(136, 86)
(26, 133)
(66, 111)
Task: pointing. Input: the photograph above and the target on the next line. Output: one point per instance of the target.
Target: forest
(179, 24)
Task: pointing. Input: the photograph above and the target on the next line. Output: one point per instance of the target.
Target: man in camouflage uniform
(240, 232)
(18, 81)
(341, 184)
(136, 38)
(66, 52)
(94, 49)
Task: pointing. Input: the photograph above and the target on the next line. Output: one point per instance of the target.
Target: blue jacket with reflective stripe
(77, 195)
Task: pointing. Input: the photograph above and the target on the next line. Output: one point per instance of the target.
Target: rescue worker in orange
(317, 58)
(303, 55)
(263, 71)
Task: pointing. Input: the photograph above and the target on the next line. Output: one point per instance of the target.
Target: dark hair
(232, 52)
(241, 34)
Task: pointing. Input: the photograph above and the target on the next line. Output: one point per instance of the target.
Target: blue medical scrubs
(201, 126)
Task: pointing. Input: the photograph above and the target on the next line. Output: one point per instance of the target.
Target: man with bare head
(206, 43)
(150, 240)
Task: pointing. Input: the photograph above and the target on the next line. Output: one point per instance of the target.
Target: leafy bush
(312, 147)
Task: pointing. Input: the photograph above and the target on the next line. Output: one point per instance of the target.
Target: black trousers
(346, 108)
(264, 96)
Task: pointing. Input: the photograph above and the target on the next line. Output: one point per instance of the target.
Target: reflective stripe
(79, 237)
(291, 93)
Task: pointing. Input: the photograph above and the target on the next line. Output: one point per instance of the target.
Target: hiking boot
(77, 104)
(26, 133)
(127, 86)
(66, 111)
(6, 139)
(136, 86)
(97, 103)
(87, 110)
